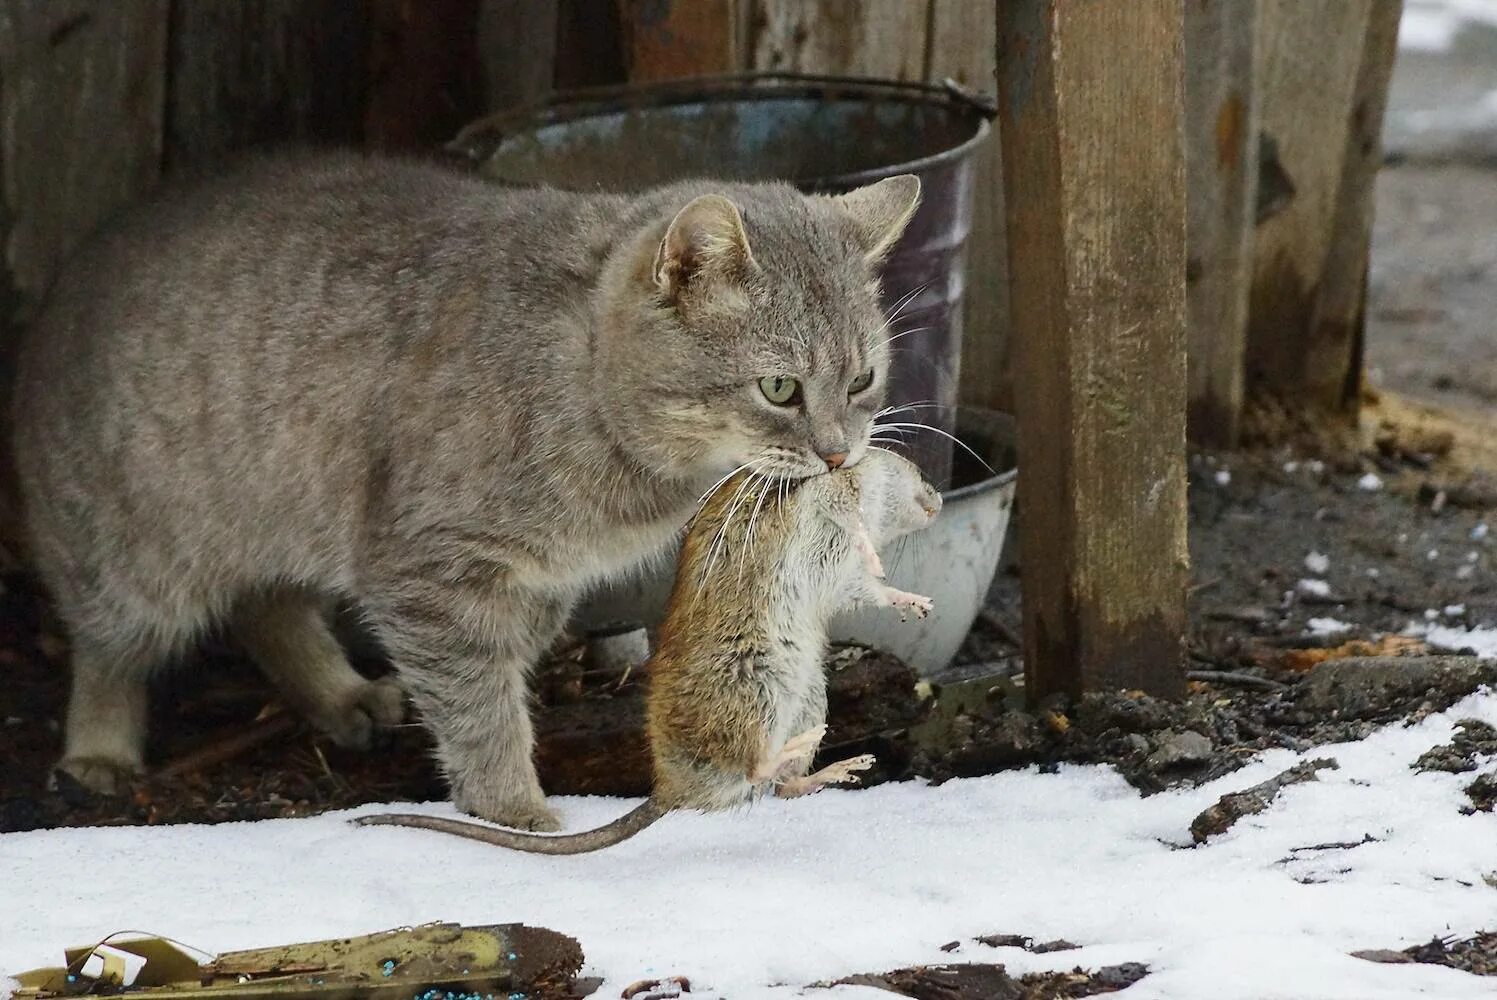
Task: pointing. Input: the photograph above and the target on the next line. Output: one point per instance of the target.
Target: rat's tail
(606, 835)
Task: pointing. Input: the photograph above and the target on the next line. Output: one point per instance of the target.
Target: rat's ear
(880, 211)
(705, 240)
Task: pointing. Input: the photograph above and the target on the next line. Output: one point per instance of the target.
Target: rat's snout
(928, 499)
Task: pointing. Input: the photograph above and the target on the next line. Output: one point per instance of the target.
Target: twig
(1228, 677)
(230, 746)
(1233, 806)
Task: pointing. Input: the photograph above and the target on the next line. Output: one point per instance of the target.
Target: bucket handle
(479, 137)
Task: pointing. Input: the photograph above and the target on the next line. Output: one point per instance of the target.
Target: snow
(1482, 640)
(1433, 25)
(1371, 482)
(1327, 627)
(1314, 588)
(843, 882)
(1318, 563)
(1224, 477)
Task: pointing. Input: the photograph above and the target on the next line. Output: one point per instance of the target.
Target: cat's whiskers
(748, 536)
(906, 333)
(719, 540)
(751, 463)
(945, 434)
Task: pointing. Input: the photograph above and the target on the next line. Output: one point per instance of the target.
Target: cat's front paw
(527, 814)
(355, 722)
(100, 775)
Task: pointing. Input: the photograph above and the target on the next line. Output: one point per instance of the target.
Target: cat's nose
(834, 459)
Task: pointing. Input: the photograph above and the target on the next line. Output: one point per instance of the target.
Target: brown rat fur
(737, 697)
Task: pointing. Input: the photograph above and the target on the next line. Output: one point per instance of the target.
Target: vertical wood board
(516, 51)
(1309, 62)
(81, 97)
(425, 79)
(243, 74)
(1338, 325)
(883, 38)
(1221, 111)
(666, 39)
(1094, 174)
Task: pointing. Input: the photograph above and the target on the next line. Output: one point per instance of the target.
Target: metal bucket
(824, 134)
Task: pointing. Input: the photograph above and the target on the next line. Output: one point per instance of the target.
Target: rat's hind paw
(906, 601)
(843, 772)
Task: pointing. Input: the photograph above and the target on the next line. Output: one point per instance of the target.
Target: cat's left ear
(705, 241)
(880, 211)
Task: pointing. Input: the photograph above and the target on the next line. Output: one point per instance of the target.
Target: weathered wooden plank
(1221, 129)
(81, 97)
(80, 121)
(882, 38)
(1094, 182)
(964, 48)
(425, 80)
(262, 71)
(589, 45)
(1340, 323)
(517, 51)
(1309, 67)
(666, 39)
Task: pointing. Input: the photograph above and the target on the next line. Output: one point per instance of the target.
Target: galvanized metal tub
(824, 134)
(952, 562)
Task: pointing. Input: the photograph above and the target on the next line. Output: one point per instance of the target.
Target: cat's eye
(781, 390)
(860, 383)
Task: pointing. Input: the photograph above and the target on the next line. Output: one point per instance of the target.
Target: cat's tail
(606, 835)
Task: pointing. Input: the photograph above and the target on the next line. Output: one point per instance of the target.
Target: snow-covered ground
(760, 903)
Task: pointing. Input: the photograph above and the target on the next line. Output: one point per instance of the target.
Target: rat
(737, 693)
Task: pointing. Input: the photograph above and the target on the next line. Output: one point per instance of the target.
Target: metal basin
(952, 561)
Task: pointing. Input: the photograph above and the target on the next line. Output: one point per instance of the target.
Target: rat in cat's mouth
(737, 691)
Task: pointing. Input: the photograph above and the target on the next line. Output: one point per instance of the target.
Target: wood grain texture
(1094, 178)
(1339, 323)
(1221, 129)
(248, 73)
(883, 38)
(964, 48)
(516, 51)
(81, 96)
(666, 39)
(425, 79)
(1314, 64)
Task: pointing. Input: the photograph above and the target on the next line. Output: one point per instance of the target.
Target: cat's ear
(880, 211)
(705, 240)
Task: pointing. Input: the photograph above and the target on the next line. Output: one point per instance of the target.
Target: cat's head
(746, 329)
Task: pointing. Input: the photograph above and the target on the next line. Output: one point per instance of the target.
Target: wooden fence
(1259, 116)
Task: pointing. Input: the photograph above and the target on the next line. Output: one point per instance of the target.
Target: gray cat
(460, 405)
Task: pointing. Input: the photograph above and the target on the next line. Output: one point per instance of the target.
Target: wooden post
(1092, 115)
(1323, 68)
(1221, 140)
